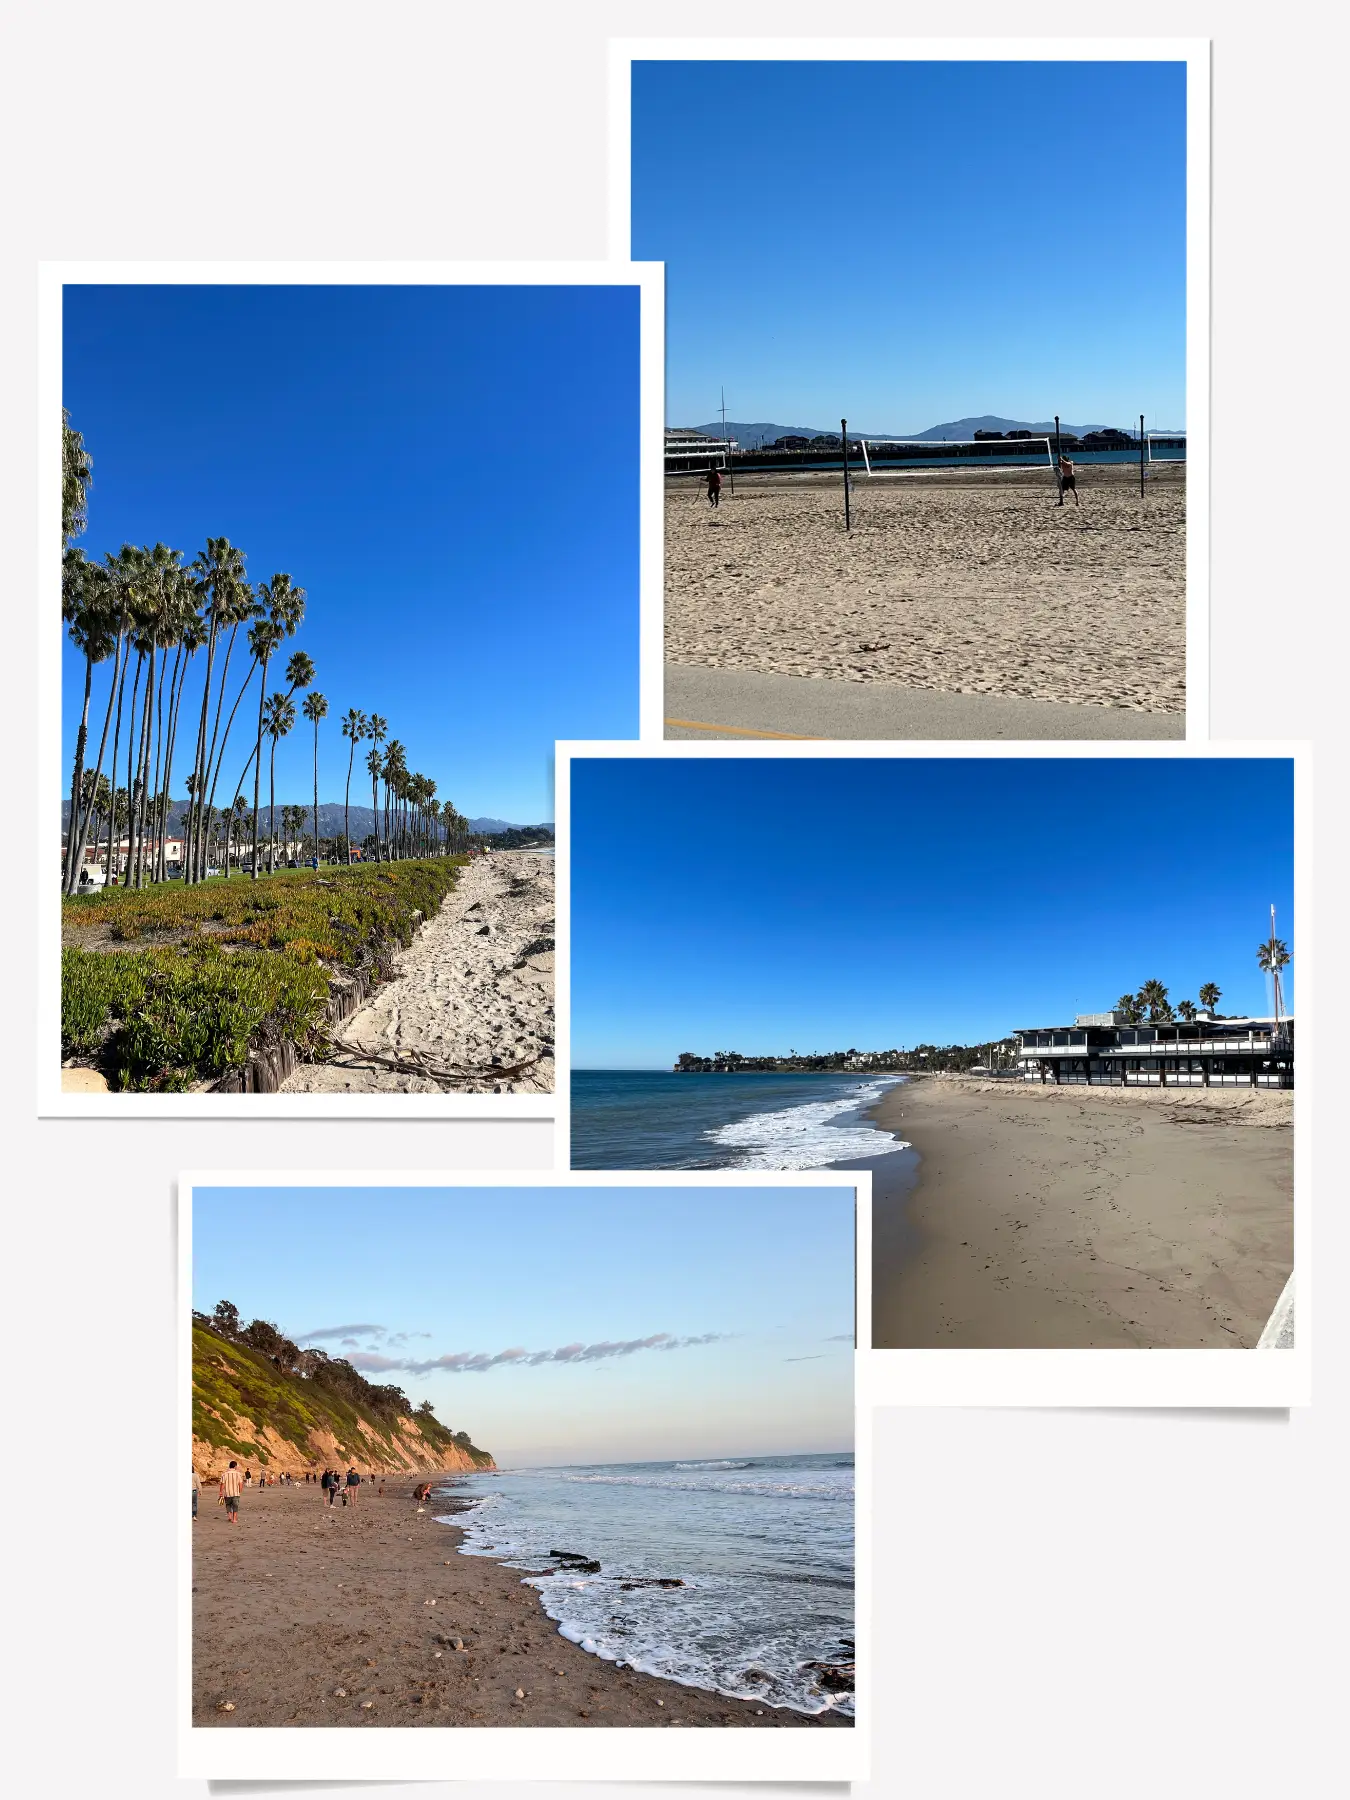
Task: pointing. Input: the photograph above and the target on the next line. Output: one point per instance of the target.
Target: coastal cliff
(247, 1405)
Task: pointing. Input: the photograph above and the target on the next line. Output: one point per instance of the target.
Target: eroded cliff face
(408, 1452)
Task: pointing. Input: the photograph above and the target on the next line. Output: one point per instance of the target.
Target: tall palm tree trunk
(98, 771)
(272, 809)
(257, 766)
(193, 870)
(131, 751)
(347, 805)
(76, 780)
(316, 796)
(142, 804)
(229, 723)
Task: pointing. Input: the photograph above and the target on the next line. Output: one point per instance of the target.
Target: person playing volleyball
(1067, 479)
(714, 481)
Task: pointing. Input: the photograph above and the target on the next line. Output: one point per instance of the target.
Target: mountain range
(747, 435)
(330, 819)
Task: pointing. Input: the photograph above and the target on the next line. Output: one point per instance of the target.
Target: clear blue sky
(907, 243)
(449, 472)
(433, 1273)
(763, 905)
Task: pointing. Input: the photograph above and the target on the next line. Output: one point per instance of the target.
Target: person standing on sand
(1067, 479)
(196, 1490)
(714, 481)
(353, 1483)
(231, 1486)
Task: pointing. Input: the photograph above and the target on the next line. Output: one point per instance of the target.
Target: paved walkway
(736, 703)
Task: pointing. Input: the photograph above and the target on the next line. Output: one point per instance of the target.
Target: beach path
(711, 703)
(470, 1005)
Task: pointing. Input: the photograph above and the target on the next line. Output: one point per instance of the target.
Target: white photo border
(1195, 53)
(1164, 1377)
(54, 277)
(403, 1753)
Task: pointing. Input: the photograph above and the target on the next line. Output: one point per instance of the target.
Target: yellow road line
(796, 737)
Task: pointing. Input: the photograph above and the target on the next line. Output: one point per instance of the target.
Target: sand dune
(973, 584)
(470, 1008)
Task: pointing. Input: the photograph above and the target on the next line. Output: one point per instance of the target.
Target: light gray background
(1069, 1604)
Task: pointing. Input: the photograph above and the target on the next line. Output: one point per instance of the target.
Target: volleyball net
(956, 453)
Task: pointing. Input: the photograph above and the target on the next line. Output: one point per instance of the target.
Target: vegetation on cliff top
(256, 1374)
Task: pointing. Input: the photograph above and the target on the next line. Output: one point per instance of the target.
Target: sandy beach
(952, 581)
(305, 1614)
(470, 1005)
(1083, 1217)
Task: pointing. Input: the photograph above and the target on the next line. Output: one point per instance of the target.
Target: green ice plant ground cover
(219, 968)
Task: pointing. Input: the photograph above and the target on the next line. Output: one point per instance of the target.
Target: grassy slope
(231, 1383)
(220, 967)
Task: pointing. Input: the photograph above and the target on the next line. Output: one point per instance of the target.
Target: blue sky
(395, 451)
(445, 1272)
(908, 243)
(768, 904)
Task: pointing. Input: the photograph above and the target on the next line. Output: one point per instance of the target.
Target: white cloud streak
(478, 1362)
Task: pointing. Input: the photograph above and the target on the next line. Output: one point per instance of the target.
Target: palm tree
(219, 570)
(354, 727)
(1210, 996)
(378, 729)
(316, 708)
(87, 607)
(1187, 1009)
(1153, 995)
(76, 481)
(278, 718)
(1128, 1005)
(373, 766)
(1271, 957)
(284, 606)
(237, 828)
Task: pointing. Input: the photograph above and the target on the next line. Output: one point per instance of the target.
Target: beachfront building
(1101, 1050)
(695, 450)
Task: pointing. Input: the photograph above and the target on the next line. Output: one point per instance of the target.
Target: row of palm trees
(1152, 1006)
(151, 613)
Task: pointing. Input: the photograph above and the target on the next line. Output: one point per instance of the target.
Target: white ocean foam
(804, 1137)
(720, 1463)
(734, 1627)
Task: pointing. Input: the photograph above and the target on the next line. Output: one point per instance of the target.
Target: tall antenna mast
(726, 446)
(1274, 967)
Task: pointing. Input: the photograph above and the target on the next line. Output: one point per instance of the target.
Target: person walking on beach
(1067, 479)
(231, 1486)
(353, 1483)
(714, 481)
(196, 1491)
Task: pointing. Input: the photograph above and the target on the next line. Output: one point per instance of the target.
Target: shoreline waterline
(665, 1569)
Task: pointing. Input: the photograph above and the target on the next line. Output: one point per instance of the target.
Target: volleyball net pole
(843, 433)
(1141, 456)
(1059, 473)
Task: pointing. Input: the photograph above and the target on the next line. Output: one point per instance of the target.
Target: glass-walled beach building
(1101, 1050)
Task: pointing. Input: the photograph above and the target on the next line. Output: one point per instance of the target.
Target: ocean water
(650, 1119)
(762, 1544)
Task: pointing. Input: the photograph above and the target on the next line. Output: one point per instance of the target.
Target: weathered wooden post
(843, 432)
(1141, 456)
(1059, 476)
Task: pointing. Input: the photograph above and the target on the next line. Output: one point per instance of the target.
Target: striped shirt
(232, 1483)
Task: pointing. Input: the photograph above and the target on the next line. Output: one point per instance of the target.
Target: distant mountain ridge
(748, 435)
(330, 819)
